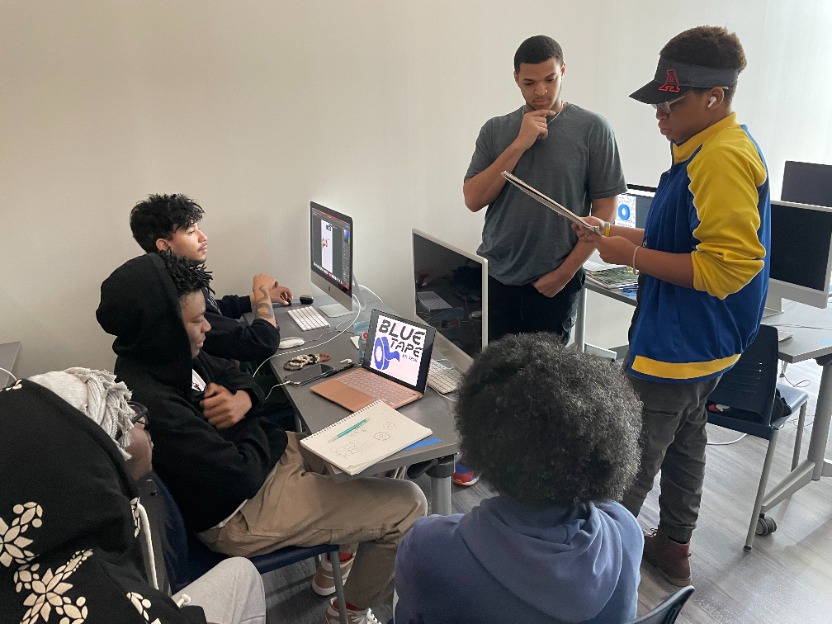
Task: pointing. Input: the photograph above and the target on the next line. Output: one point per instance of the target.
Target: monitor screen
(807, 183)
(330, 246)
(801, 254)
(451, 295)
(632, 207)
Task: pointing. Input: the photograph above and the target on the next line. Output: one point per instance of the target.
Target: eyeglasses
(139, 417)
(666, 107)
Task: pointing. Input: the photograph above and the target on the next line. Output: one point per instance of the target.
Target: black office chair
(668, 610)
(748, 389)
(187, 558)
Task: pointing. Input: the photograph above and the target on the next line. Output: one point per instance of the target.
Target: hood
(66, 493)
(564, 562)
(69, 520)
(140, 307)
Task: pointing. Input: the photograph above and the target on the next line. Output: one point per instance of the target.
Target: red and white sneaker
(354, 616)
(465, 476)
(323, 583)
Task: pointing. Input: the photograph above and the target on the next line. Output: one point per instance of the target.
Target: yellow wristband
(635, 251)
(607, 226)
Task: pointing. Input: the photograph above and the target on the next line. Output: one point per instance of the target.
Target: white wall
(370, 106)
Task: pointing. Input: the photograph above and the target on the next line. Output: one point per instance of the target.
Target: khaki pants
(299, 506)
(673, 430)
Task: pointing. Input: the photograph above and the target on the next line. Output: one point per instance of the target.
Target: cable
(9, 373)
(306, 348)
(727, 443)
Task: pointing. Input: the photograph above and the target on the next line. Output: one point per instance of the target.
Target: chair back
(748, 388)
(668, 610)
(186, 558)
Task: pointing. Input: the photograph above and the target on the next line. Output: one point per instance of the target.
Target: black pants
(521, 309)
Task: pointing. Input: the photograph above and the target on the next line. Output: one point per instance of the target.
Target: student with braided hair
(71, 524)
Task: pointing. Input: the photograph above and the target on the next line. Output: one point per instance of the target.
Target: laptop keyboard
(308, 318)
(442, 378)
(376, 386)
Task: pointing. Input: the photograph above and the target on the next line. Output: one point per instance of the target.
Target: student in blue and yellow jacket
(703, 259)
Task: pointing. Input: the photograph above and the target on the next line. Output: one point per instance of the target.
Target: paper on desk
(549, 202)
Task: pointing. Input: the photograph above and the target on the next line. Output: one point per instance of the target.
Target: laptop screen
(399, 349)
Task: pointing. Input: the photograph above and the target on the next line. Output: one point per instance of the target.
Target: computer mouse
(288, 343)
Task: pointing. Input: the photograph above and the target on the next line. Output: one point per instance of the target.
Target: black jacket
(68, 521)
(209, 471)
(234, 340)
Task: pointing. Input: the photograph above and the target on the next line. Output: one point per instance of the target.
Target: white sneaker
(362, 616)
(323, 583)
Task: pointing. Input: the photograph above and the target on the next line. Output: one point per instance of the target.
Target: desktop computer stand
(334, 310)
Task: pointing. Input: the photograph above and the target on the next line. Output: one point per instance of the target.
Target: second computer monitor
(801, 255)
(330, 248)
(807, 183)
(631, 208)
(451, 295)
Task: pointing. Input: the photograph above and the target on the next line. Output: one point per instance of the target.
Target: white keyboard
(442, 378)
(308, 318)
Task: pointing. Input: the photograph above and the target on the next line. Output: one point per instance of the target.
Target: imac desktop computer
(330, 247)
(801, 255)
(807, 183)
(451, 295)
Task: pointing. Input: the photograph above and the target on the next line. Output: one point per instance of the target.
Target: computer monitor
(807, 183)
(801, 255)
(330, 247)
(631, 207)
(451, 295)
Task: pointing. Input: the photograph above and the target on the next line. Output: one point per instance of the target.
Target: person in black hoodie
(170, 223)
(244, 485)
(70, 529)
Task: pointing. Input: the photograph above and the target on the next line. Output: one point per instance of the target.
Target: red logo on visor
(671, 82)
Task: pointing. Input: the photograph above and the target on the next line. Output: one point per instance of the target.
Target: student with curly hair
(704, 262)
(556, 433)
(171, 224)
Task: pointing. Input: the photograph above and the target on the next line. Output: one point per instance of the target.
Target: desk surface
(811, 327)
(9, 351)
(432, 410)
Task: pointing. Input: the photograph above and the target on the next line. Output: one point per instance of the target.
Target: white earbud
(712, 101)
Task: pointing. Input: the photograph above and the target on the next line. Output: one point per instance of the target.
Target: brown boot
(670, 558)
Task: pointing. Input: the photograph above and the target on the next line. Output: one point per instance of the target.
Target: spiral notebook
(365, 437)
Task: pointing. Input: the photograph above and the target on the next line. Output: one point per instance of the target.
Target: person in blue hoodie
(555, 432)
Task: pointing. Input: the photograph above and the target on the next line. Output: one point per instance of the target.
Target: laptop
(394, 368)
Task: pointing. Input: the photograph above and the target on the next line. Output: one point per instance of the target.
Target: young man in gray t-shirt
(568, 153)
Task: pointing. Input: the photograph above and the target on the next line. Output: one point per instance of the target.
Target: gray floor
(786, 578)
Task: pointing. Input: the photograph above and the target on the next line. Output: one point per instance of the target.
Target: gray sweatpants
(674, 436)
(230, 593)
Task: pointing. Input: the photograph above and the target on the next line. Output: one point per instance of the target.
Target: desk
(432, 410)
(812, 339)
(812, 329)
(9, 351)
(627, 297)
